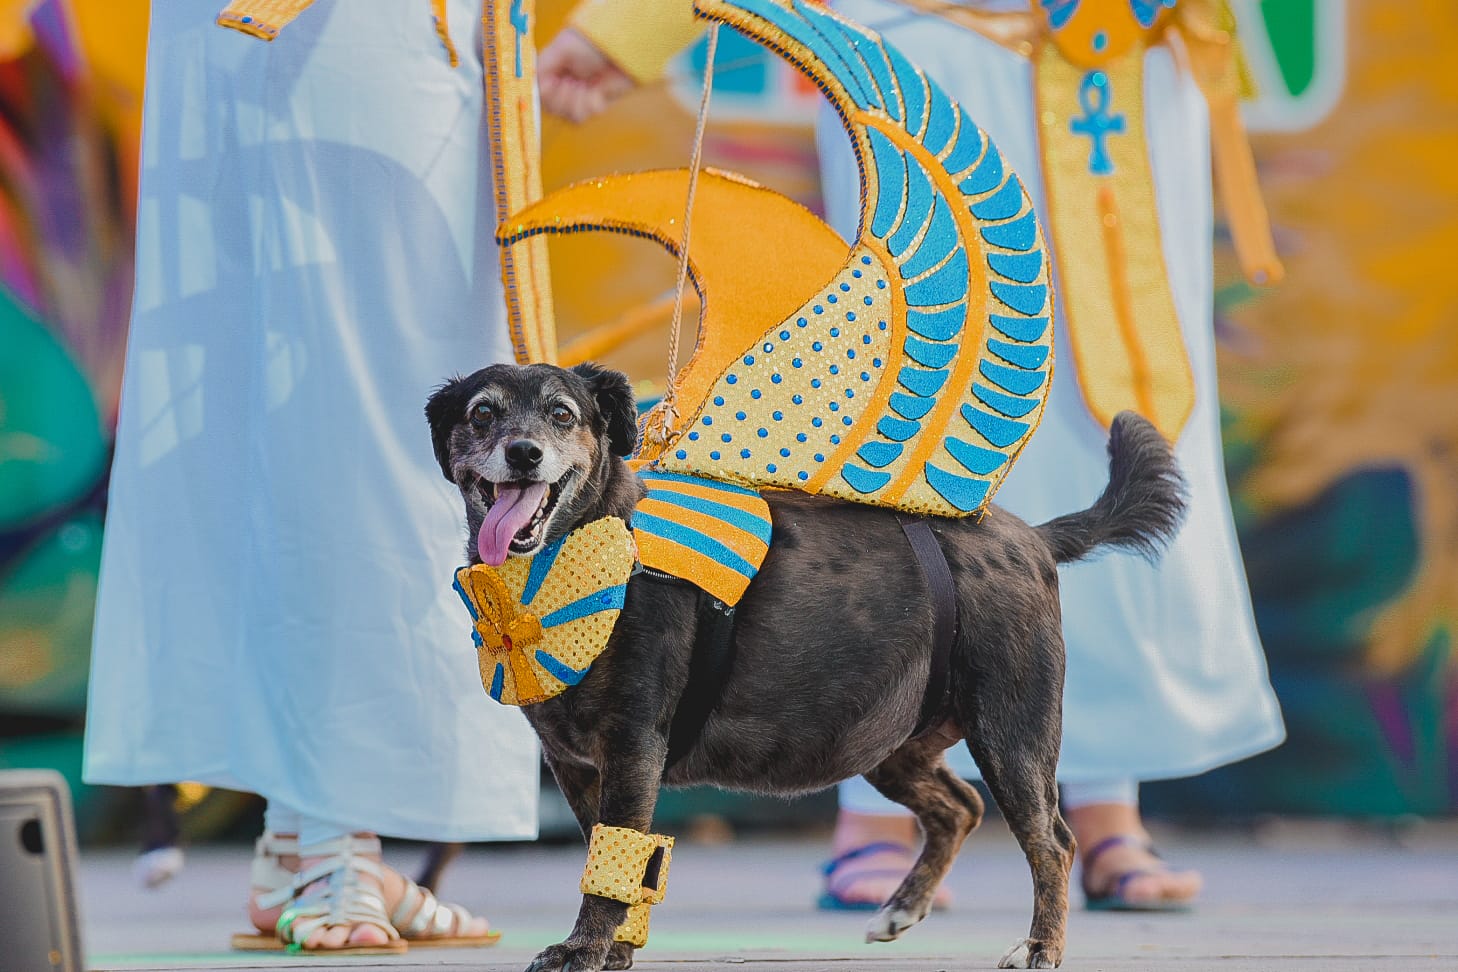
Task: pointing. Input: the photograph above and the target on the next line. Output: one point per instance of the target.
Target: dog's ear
(443, 411)
(616, 404)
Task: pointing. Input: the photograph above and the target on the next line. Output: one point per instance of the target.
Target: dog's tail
(1142, 507)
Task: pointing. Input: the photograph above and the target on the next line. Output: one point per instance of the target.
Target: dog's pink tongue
(513, 509)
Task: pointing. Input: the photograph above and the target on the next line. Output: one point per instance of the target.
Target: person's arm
(608, 48)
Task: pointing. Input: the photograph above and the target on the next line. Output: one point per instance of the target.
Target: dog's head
(531, 449)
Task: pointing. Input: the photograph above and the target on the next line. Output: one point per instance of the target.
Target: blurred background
(1340, 387)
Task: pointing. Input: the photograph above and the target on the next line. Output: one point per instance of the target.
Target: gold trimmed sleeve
(639, 36)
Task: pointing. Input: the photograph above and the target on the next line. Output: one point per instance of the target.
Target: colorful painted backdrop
(1341, 387)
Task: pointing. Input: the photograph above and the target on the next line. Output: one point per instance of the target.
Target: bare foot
(1153, 883)
(871, 878)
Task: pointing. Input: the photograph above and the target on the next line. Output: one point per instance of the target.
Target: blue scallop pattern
(966, 150)
(941, 125)
(910, 406)
(1006, 203)
(929, 355)
(1020, 328)
(1023, 298)
(897, 430)
(878, 455)
(944, 286)
(923, 383)
(999, 431)
(962, 492)
(1010, 405)
(1022, 267)
(863, 480)
(1020, 234)
(987, 176)
(891, 166)
(942, 325)
(1015, 380)
(940, 240)
(982, 462)
(919, 199)
(913, 87)
(1022, 355)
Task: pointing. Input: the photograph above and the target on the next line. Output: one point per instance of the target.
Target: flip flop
(1112, 897)
(837, 883)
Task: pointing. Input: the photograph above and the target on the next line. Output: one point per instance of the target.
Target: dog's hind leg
(1014, 728)
(948, 809)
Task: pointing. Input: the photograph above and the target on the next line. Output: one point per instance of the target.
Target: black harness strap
(709, 668)
(933, 563)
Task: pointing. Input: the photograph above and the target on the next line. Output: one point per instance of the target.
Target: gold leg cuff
(627, 865)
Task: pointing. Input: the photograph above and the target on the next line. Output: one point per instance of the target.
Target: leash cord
(667, 411)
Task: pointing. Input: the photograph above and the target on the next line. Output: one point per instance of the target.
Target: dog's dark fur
(833, 639)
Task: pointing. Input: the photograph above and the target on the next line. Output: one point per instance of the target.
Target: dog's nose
(523, 455)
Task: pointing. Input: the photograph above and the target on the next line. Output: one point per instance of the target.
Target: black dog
(833, 641)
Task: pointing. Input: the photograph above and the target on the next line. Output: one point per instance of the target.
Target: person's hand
(576, 80)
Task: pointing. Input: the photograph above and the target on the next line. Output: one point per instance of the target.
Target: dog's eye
(481, 415)
(562, 415)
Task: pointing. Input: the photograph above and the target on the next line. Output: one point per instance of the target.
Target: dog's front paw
(890, 923)
(620, 956)
(575, 958)
(1028, 954)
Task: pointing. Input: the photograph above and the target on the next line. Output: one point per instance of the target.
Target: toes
(366, 934)
(326, 938)
(1028, 954)
(1163, 886)
(563, 958)
(891, 923)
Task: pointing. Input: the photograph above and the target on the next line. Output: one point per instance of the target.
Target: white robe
(314, 255)
(1166, 677)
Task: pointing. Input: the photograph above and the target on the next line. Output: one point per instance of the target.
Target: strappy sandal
(839, 879)
(338, 897)
(426, 923)
(1112, 897)
(420, 918)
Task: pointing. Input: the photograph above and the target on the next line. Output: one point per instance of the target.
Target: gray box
(39, 929)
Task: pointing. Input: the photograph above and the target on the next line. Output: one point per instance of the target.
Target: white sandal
(339, 896)
(426, 923)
